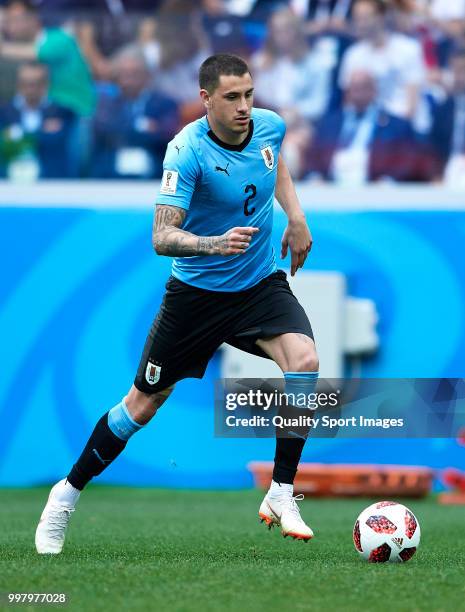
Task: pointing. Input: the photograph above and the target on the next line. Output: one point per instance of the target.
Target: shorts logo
(152, 373)
(169, 182)
(268, 156)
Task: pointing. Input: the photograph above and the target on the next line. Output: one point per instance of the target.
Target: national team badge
(268, 156)
(152, 373)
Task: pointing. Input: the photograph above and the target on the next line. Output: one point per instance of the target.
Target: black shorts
(192, 323)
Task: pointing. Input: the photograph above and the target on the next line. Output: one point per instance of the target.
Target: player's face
(230, 105)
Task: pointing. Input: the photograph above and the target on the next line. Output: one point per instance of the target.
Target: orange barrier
(343, 480)
(455, 479)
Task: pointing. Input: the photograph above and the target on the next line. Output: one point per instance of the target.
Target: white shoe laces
(57, 521)
(293, 508)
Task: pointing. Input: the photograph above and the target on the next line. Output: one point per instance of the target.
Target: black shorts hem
(246, 342)
(144, 387)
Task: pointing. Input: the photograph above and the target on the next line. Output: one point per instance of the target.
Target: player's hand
(298, 238)
(235, 241)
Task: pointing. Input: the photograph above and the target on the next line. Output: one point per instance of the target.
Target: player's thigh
(293, 352)
(190, 325)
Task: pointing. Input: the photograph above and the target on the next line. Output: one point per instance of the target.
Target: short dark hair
(216, 65)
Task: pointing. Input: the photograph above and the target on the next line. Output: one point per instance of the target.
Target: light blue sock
(121, 423)
(298, 383)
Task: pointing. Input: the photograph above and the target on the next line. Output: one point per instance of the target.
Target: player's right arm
(169, 239)
(181, 173)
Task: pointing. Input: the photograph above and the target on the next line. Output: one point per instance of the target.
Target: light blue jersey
(224, 186)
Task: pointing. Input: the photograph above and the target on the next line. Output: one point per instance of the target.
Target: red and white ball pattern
(386, 531)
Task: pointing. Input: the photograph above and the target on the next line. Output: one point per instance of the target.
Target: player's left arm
(297, 234)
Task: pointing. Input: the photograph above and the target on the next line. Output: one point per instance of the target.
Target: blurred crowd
(371, 90)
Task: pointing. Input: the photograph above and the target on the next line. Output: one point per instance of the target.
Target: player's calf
(112, 433)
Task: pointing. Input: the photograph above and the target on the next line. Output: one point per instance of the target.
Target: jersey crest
(268, 156)
(152, 373)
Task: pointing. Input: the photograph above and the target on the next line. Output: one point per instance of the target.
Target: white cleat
(50, 532)
(283, 510)
(267, 515)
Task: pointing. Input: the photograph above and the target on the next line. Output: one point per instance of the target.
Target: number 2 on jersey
(249, 211)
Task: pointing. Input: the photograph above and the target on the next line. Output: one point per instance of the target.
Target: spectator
(177, 75)
(132, 129)
(108, 25)
(297, 143)
(288, 74)
(393, 58)
(8, 70)
(326, 9)
(147, 40)
(35, 131)
(57, 12)
(323, 15)
(450, 34)
(70, 82)
(448, 130)
(224, 30)
(327, 25)
(361, 142)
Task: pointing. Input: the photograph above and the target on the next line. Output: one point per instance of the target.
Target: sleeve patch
(169, 182)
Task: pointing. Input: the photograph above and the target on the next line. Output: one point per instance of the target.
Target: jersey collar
(231, 147)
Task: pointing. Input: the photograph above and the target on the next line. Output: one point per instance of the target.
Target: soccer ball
(386, 531)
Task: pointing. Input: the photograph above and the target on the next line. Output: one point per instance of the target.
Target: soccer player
(214, 215)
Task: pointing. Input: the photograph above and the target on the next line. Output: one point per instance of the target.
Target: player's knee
(306, 361)
(144, 406)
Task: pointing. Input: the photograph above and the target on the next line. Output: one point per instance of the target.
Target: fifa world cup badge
(169, 181)
(268, 156)
(152, 373)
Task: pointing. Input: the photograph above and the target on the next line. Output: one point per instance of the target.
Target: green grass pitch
(149, 549)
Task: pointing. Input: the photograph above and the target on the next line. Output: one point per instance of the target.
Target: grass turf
(149, 549)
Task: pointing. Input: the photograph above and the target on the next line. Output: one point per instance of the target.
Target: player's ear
(206, 99)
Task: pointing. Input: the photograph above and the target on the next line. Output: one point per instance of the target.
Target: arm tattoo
(206, 243)
(169, 239)
(166, 216)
